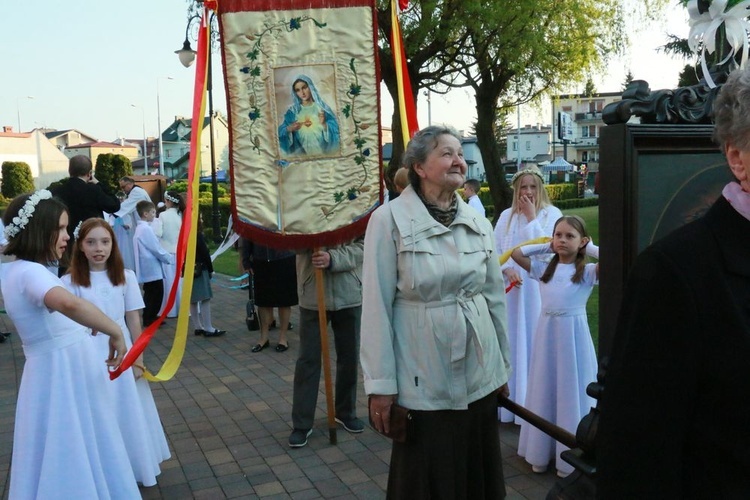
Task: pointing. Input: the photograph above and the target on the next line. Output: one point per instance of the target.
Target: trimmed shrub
(577, 203)
(17, 179)
(110, 168)
(562, 191)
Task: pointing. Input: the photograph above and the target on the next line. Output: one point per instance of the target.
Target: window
(515, 146)
(528, 145)
(584, 131)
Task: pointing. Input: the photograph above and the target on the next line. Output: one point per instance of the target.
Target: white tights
(200, 314)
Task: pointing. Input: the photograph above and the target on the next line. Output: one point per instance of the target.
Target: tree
(589, 90)
(17, 178)
(516, 53)
(433, 33)
(628, 79)
(110, 168)
(690, 75)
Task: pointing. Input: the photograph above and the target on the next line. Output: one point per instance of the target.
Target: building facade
(529, 143)
(585, 112)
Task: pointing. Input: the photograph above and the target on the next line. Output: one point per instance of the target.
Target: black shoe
(215, 333)
(281, 347)
(298, 438)
(259, 347)
(199, 332)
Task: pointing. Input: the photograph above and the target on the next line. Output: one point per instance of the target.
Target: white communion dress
(134, 404)
(563, 363)
(65, 442)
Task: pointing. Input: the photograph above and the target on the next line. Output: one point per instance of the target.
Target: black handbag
(251, 317)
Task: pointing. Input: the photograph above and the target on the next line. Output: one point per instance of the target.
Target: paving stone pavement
(227, 416)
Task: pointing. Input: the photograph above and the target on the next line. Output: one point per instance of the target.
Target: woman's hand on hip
(380, 412)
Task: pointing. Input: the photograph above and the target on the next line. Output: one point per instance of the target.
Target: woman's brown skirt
(451, 454)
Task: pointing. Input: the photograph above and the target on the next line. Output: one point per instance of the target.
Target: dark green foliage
(562, 191)
(110, 168)
(17, 179)
(576, 203)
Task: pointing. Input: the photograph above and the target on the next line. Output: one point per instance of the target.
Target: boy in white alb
(148, 257)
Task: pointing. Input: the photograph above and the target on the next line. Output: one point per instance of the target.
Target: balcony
(587, 142)
(582, 117)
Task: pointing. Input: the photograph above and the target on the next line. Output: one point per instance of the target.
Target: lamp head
(186, 54)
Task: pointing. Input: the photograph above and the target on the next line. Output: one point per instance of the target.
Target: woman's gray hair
(731, 112)
(420, 146)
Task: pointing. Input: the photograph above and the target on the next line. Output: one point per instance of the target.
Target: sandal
(259, 347)
(281, 347)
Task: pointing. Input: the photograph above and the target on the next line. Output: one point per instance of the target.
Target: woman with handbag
(273, 283)
(434, 330)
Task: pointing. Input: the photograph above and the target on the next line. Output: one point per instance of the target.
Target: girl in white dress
(65, 442)
(171, 223)
(97, 274)
(530, 216)
(563, 360)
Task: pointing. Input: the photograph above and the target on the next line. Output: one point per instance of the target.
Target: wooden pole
(557, 433)
(323, 326)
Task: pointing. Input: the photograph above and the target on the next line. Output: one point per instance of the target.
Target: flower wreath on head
(526, 171)
(20, 221)
(77, 230)
(172, 199)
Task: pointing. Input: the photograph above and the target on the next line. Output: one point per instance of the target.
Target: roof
(171, 132)
(100, 144)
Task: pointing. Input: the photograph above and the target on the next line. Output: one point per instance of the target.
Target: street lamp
(145, 149)
(429, 107)
(158, 124)
(187, 57)
(18, 109)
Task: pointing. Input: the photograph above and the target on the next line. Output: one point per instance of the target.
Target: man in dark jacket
(84, 196)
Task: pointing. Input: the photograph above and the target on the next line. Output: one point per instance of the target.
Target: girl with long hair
(563, 359)
(97, 274)
(530, 216)
(65, 442)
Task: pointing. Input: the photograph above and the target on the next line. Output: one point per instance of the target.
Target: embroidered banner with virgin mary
(303, 99)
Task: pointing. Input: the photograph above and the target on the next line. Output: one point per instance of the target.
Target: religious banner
(303, 97)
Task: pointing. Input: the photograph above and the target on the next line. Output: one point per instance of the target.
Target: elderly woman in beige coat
(434, 329)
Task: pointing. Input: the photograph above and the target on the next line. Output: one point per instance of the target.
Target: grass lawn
(228, 263)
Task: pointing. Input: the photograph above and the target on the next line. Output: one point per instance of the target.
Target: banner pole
(324, 353)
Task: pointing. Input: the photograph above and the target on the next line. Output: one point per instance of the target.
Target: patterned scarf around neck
(444, 216)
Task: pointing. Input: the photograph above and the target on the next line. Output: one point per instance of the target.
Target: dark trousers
(153, 293)
(345, 325)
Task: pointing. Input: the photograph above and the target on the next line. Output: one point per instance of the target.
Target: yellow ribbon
(506, 254)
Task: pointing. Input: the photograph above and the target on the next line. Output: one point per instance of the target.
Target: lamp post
(18, 109)
(145, 149)
(158, 124)
(187, 57)
(427, 94)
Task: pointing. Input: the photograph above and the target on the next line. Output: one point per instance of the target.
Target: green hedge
(565, 191)
(577, 203)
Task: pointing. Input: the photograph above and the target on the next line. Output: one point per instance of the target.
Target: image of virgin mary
(310, 127)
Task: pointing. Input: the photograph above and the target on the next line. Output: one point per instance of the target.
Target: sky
(98, 66)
